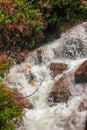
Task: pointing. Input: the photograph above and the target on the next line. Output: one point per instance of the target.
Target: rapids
(62, 116)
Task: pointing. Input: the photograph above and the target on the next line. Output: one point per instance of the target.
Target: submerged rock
(73, 48)
(81, 73)
(57, 68)
(39, 55)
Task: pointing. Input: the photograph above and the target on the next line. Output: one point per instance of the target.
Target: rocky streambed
(54, 79)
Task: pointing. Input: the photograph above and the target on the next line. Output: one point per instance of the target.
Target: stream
(71, 49)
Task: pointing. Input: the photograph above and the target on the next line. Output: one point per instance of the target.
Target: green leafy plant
(1, 16)
(4, 67)
(10, 109)
(10, 112)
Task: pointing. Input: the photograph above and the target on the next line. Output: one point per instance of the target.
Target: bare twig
(34, 91)
(17, 11)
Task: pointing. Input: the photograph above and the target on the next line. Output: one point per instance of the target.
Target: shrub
(4, 67)
(61, 12)
(30, 25)
(26, 28)
(9, 111)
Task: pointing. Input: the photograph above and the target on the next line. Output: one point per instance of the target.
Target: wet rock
(57, 68)
(60, 90)
(73, 48)
(81, 73)
(39, 55)
(29, 75)
(86, 124)
(83, 105)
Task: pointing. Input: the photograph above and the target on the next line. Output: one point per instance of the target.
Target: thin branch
(17, 11)
(34, 91)
(28, 95)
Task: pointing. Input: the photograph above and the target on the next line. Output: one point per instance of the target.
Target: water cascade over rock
(73, 48)
(59, 101)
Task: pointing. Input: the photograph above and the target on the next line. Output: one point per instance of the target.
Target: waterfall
(71, 49)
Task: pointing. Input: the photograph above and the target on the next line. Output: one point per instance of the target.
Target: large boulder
(57, 68)
(60, 90)
(81, 73)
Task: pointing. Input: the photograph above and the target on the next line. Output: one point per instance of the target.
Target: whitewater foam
(62, 116)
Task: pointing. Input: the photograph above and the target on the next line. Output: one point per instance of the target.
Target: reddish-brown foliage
(3, 58)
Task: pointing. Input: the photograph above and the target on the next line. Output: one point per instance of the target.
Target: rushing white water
(62, 116)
